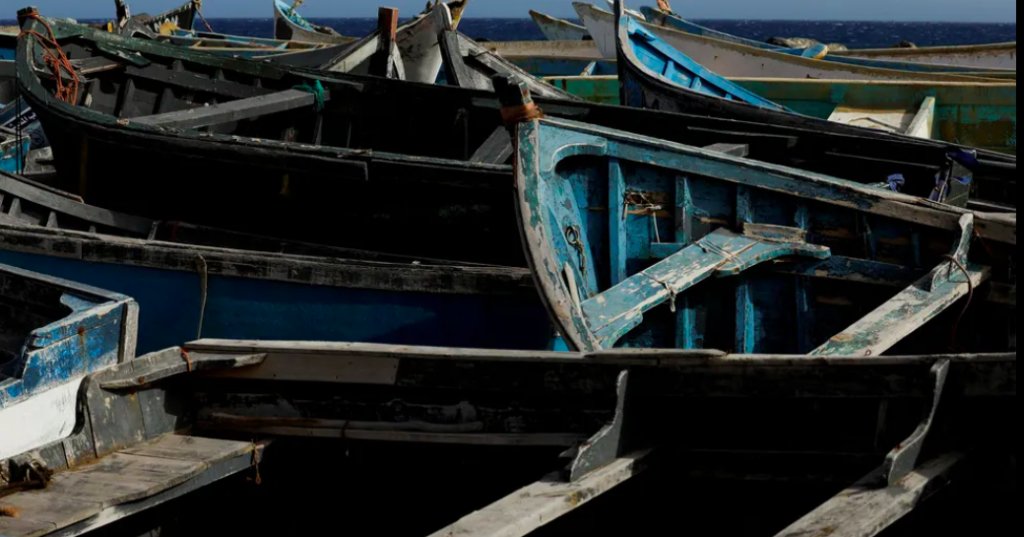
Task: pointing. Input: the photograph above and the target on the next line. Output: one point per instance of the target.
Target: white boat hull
(559, 30)
(41, 420)
(735, 60)
(980, 56)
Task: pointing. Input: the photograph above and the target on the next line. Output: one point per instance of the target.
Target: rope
(198, 4)
(256, 463)
(54, 58)
(970, 297)
(521, 114)
(188, 360)
(318, 93)
(204, 281)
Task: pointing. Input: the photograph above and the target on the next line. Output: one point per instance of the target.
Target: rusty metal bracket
(613, 441)
(903, 460)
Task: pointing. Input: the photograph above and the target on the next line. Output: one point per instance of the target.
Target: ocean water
(851, 34)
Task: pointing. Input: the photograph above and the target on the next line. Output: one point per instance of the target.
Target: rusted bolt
(81, 330)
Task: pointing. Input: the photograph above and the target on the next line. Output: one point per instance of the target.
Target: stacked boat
(413, 238)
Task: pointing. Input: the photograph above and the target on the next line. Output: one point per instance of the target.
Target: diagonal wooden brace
(914, 307)
(614, 313)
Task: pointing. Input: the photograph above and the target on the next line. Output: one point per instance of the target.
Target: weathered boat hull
(192, 280)
(642, 87)
(558, 29)
(53, 333)
(994, 56)
(436, 193)
(980, 115)
(290, 26)
(736, 60)
(638, 279)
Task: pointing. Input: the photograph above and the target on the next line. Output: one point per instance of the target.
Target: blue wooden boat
(54, 333)
(969, 57)
(635, 242)
(679, 69)
(13, 151)
(737, 60)
(643, 84)
(191, 280)
(86, 427)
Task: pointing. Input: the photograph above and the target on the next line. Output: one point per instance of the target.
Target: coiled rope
(55, 59)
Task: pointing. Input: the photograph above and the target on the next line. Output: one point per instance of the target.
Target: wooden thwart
(233, 111)
(615, 312)
(541, 503)
(129, 476)
(864, 510)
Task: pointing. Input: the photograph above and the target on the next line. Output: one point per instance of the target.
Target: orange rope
(188, 359)
(55, 59)
(520, 114)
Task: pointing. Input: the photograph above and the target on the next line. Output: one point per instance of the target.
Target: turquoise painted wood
(271, 307)
(53, 331)
(675, 66)
(239, 46)
(13, 152)
(640, 243)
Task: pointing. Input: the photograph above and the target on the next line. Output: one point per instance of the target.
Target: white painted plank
(40, 420)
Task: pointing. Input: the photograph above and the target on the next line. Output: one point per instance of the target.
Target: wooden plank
(254, 107)
(455, 70)
(24, 527)
(497, 149)
(192, 448)
(283, 366)
(537, 505)
(924, 122)
(735, 150)
(865, 510)
(382, 63)
(113, 514)
(891, 323)
(620, 309)
(72, 207)
(198, 83)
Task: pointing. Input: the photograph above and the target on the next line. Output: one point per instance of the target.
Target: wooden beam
(497, 149)
(537, 505)
(382, 64)
(217, 114)
(455, 70)
(59, 202)
(199, 83)
(865, 510)
(891, 323)
(924, 121)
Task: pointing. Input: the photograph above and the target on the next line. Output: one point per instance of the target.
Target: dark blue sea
(851, 34)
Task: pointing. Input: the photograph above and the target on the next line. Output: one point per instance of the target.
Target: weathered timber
(537, 505)
(254, 107)
(864, 510)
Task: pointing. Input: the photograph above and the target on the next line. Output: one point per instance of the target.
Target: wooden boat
(762, 417)
(417, 39)
(431, 187)
(228, 285)
(289, 25)
(643, 85)
(467, 64)
(674, 268)
(994, 56)
(183, 17)
(515, 50)
(735, 60)
(53, 333)
(558, 29)
(888, 106)
(13, 150)
(89, 429)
